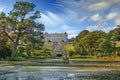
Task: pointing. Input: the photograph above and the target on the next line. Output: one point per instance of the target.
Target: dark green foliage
(78, 46)
(118, 51)
(71, 53)
(106, 47)
(5, 52)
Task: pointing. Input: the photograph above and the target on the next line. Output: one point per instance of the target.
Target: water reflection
(54, 73)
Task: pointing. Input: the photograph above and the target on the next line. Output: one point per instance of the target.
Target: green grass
(43, 53)
(69, 47)
(47, 47)
(73, 63)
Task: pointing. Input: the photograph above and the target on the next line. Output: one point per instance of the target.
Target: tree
(19, 23)
(81, 35)
(91, 43)
(106, 47)
(115, 34)
(88, 43)
(115, 37)
(79, 48)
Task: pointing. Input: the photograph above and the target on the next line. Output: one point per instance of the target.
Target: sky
(73, 16)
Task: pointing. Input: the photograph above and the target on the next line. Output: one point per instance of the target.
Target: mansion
(55, 37)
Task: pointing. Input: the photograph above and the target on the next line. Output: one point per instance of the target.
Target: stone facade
(57, 41)
(55, 37)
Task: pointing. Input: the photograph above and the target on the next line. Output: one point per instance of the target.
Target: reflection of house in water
(55, 37)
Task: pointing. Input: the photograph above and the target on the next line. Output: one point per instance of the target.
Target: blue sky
(73, 16)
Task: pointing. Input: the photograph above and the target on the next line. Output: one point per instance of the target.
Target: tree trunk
(15, 45)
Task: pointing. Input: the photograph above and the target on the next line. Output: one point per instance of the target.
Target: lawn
(69, 47)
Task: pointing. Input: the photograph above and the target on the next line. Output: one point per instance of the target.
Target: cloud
(90, 5)
(117, 21)
(95, 17)
(69, 3)
(65, 27)
(51, 19)
(76, 9)
(109, 16)
(82, 19)
(2, 8)
(70, 14)
(94, 28)
(100, 5)
(72, 9)
(101, 21)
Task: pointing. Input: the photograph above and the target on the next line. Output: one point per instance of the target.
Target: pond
(20, 72)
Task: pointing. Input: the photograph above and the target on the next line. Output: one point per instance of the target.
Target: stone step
(58, 48)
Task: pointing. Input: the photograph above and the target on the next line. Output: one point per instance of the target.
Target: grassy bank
(94, 58)
(73, 63)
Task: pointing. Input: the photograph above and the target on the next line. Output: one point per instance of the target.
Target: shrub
(71, 53)
(5, 52)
